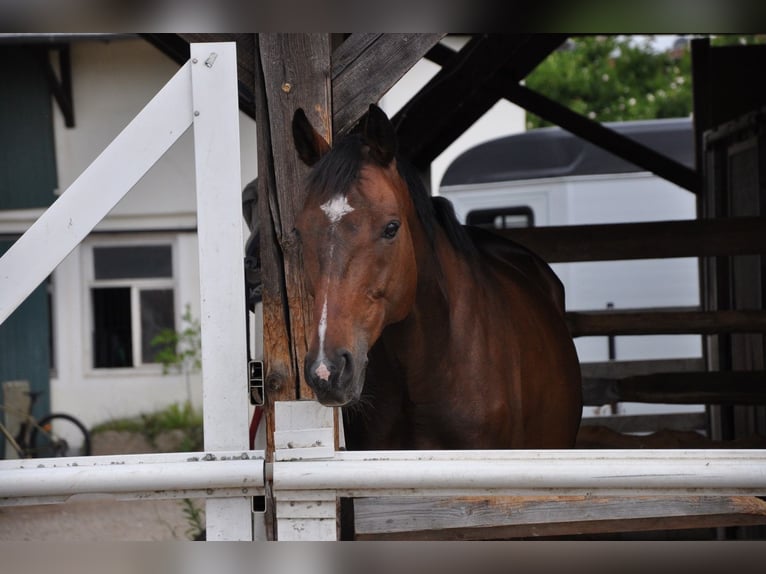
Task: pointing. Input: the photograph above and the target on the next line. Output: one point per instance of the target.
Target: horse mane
(339, 169)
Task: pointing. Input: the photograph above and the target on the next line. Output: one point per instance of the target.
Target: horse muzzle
(336, 381)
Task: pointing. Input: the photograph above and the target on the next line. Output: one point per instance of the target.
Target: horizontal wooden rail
(641, 322)
(649, 422)
(649, 240)
(620, 369)
(487, 518)
(689, 388)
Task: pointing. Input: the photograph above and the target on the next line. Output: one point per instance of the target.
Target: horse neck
(415, 344)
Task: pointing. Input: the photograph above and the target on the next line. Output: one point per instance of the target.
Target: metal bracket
(255, 378)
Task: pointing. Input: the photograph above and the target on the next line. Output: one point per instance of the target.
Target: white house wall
(111, 83)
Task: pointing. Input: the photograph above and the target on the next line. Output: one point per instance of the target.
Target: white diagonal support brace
(98, 189)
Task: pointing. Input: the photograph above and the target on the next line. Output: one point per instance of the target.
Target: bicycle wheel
(59, 435)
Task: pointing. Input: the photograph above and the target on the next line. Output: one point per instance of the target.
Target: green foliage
(195, 516)
(615, 78)
(737, 40)
(182, 417)
(180, 349)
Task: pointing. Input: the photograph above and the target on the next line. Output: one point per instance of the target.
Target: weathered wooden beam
(460, 93)
(646, 240)
(692, 388)
(366, 66)
(652, 322)
(649, 422)
(433, 111)
(623, 369)
(496, 518)
(602, 437)
(293, 72)
(604, 137)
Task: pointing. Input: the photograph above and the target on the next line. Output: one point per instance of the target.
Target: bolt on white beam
(99, 188)
(725, 473)
(215, 102)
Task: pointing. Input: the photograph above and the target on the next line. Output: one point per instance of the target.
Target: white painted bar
(221, 253)
(130, 459)
(529, 473)
(98, 189)
(178, 475)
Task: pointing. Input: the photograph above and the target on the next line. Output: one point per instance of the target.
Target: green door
(27, 180)
(25, 344)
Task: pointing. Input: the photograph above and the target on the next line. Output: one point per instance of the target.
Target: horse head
(357, 230)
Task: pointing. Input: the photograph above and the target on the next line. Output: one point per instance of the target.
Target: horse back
(501, 251)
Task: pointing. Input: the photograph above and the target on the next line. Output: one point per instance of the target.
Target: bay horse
(431, 335)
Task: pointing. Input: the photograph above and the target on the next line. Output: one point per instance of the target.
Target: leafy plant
(620, 78)
(182, 417)
(180, 350)
(195, 516)
(616, 78)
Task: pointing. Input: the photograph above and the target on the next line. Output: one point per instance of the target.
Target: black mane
(339, 169)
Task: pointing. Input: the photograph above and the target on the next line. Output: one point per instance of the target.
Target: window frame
(136, 285)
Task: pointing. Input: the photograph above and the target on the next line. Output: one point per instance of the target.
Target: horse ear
(379, 134)
(311, 146)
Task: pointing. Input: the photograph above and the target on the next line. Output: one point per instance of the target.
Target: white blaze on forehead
(336, 208)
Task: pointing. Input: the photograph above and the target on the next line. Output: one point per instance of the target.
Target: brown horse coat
(430, 335)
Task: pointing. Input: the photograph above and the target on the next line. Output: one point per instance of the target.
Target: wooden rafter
(604, 137)
(366, 66)
(465, 89)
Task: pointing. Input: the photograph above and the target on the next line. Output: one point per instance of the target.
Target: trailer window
(502, 218)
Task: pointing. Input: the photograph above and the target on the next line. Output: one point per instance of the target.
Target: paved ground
(94, 522)
(91, 521)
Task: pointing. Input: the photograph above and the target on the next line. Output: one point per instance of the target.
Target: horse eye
(390, 231)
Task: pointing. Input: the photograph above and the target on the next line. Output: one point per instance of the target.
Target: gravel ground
(94, 521)
(98, 520)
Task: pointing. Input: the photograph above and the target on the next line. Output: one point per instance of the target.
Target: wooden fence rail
(649, 240)
(690, 388)
(664, 322)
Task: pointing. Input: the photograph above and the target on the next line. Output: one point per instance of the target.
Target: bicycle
(54, 435)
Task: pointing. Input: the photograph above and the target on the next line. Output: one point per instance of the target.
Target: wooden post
(292, 71)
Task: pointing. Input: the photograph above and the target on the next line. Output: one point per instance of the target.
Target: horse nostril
(345, 366)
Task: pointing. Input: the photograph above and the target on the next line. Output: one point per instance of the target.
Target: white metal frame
(203, 93)
(307, 475)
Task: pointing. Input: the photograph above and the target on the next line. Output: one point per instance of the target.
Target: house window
(132, 300)
(502, 218)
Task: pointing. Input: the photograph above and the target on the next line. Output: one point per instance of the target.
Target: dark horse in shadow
(431, 335)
